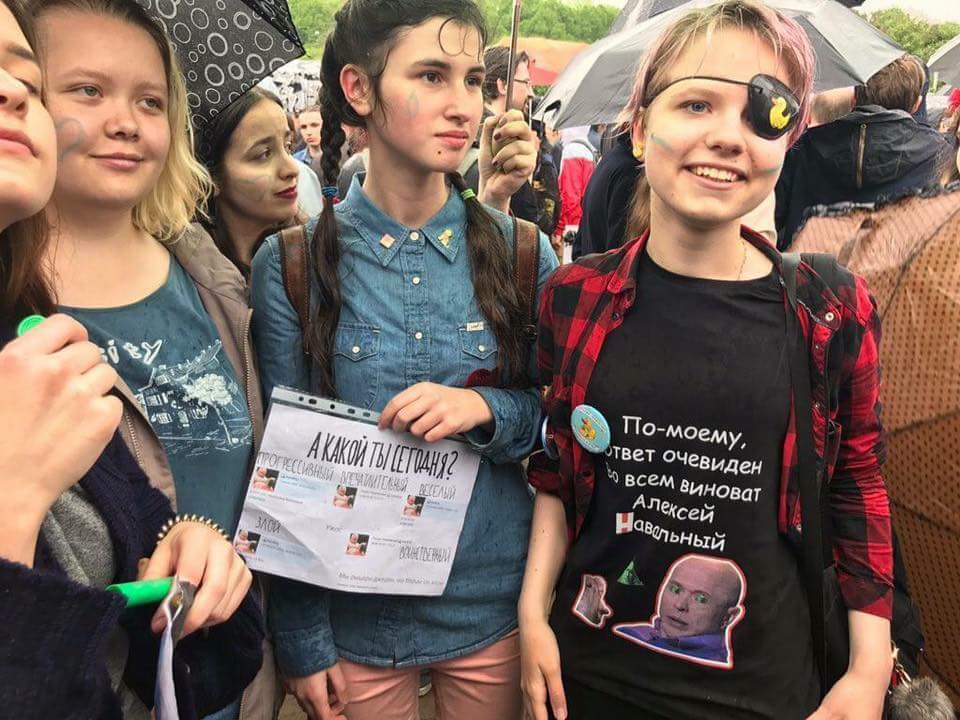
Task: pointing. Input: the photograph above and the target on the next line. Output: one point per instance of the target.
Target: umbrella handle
(514, 34)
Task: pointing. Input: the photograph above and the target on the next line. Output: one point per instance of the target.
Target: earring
(638, 150)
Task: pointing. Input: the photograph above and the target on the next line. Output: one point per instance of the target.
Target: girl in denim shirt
(412, 292)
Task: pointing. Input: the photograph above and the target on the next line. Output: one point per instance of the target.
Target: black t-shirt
(680, 595)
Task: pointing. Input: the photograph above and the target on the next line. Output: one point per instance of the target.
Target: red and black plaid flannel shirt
(583, 302)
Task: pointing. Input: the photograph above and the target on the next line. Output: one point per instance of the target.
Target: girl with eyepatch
(667, 517)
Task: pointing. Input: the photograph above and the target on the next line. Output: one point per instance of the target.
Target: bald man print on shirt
(698, 605)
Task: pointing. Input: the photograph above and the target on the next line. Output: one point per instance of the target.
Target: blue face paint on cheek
(660, 142)
(770, 171)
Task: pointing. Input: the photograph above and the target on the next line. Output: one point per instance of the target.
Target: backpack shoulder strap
(526, 263)
(294, 264)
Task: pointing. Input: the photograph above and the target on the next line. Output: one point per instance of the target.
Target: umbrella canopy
(596, 85)
(946, 62)
(909, 254)
(636, 11)
(225, 47)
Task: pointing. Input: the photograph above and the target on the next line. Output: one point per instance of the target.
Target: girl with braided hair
(412, 294)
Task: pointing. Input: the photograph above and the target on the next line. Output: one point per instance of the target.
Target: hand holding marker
(137, 593)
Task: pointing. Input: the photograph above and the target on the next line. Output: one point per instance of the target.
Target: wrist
(491, 199)
(875, 669)
(531, 611)
(482, 412)
(18, 538)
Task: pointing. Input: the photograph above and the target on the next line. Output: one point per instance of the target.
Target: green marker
(29, 323)
(143, 592)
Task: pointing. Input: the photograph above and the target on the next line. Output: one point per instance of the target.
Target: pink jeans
(484, 685)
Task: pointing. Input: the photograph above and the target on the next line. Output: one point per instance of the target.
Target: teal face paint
(770, 171)
(657, 140)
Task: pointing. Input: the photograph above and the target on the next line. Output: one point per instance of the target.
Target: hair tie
(468, 194)
(329, 191)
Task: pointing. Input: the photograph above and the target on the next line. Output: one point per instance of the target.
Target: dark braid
(491, 267)
(363, 34)
(325, 244)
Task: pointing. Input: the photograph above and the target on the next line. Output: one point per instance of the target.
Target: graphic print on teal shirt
(168, 351)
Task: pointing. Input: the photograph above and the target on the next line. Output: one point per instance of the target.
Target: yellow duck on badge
(587, 431)
(779, 119)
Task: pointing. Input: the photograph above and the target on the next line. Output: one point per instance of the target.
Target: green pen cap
(143, 592)
(29, 323)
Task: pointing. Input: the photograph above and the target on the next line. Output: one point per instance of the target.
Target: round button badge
(590, 429)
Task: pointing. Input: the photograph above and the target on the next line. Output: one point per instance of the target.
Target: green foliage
(541, 18)
(917, 36)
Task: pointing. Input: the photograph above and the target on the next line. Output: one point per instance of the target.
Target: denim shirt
(409, 315)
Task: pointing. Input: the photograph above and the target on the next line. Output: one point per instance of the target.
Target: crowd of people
(634, 543)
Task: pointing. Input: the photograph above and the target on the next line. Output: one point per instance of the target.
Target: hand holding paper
(434, 412)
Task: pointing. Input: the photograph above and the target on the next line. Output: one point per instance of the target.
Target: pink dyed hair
(783, 34)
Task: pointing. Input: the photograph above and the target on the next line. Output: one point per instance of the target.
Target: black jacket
(56, 632)
(870, 154)
(606, 202)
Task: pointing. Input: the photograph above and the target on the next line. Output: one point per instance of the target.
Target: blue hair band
(329, 191)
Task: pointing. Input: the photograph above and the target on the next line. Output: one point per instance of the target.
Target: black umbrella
(225, 47)
(636, 11)
(596, 85)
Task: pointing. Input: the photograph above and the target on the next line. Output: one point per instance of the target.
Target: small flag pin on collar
(387, 241)
(446, 236)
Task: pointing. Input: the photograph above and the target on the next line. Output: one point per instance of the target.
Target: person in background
(546, 185)
(496, 60)
(255, 179)
(878, 150)
(79, 514)
(357, 160)
(607, 199)
(577, 165)
(308, 184)
(950, 171)
(310, 124)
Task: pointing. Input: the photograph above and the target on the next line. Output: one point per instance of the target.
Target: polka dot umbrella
(225, 47)
(909, 253)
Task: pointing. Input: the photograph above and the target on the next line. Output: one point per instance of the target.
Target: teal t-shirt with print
(168, 351)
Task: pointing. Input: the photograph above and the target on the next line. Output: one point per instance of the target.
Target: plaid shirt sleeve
(859, 507)
(543, 472)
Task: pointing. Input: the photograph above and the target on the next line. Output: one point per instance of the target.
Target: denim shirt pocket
(478, 350)
(356, 363)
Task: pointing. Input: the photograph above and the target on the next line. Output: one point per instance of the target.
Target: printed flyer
(336, 502)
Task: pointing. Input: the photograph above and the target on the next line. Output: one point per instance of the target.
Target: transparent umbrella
(596, 85)
(946, 62)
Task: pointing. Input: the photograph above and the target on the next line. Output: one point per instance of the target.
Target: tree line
(556, 20)
(541, 18)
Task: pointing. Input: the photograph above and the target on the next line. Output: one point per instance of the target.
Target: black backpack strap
(811, 501)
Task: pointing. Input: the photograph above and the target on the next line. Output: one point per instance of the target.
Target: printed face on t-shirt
(700, 598)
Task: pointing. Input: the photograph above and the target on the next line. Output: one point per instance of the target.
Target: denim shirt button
(416, 281)
(418, 335)
(414, 236)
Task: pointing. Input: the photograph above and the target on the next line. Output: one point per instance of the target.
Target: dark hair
(24, 287)
(364, 34)
(495, 62)
(216, 142)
